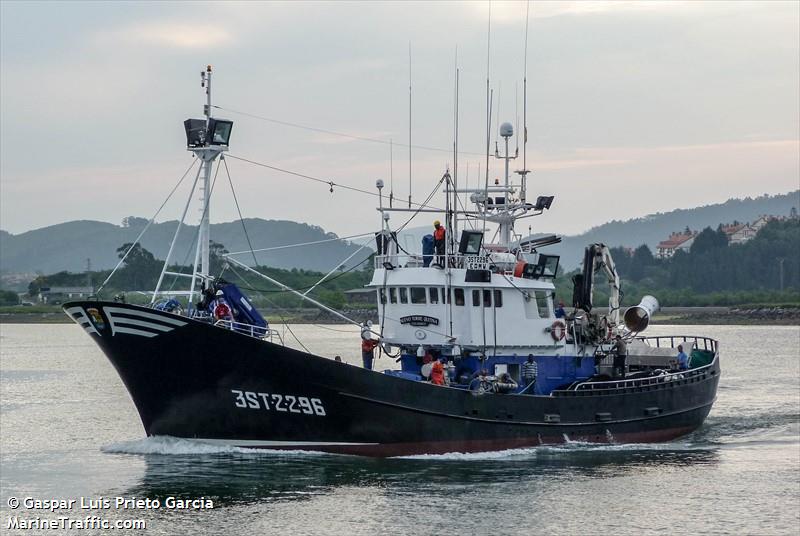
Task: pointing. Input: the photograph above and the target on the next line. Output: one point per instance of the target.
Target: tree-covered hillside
(765, 269)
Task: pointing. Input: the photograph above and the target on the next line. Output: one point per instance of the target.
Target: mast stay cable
(149, 223)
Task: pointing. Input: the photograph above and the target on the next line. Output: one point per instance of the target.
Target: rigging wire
(317, 179)
(342, 134)
(334, 278)
(239, 210)
(149, 223)
(197, 233)
(301, 244)
(278, 310)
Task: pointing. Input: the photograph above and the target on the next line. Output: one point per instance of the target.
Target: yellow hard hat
(437, 222)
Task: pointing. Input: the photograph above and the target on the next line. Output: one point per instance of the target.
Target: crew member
(620, 350)
(560, 312)
(437, 372)
(683, 359)
(530, 369)
(222, 311)
(438, 242)
(368, 352)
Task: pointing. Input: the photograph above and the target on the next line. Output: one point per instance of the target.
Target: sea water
(69, 431)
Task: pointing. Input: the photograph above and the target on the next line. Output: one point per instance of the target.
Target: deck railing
(668, 341)
(472, 262)
(672, 341)
(257, 332)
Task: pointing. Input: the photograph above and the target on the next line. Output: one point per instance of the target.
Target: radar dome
(506, 130)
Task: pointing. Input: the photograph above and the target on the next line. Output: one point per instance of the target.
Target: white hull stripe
(164, 319)
(79, 316)
(254, 443)
(149, 325)
(121, 322)
(131, 331)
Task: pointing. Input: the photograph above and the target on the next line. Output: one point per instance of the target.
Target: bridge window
(418, 295)
(476, 298)
(487, 297)
(434, 294)
(403, 294)
(382, 295)
(392, 295)
(459, 296)
(498, 298)
(542, 303)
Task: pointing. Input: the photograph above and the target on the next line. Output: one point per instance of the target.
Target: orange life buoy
(558, 330)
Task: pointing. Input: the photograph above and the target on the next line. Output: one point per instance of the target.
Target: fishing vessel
(483, 357)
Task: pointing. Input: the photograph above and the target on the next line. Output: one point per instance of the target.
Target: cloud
(180, 35)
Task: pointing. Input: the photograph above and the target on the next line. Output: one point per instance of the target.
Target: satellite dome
(506, 130)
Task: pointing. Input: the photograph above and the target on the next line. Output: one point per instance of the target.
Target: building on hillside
(58, 295)
(739, 233)
(676, 241)
(761, 221)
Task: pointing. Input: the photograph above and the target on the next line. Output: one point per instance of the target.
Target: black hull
(198, 381)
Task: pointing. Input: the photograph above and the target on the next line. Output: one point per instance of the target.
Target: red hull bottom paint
(489, 445)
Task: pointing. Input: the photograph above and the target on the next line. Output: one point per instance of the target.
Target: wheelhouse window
(433, 293)
(476, 298)
(498, 298)
(418, 295)
(542, 303)
(487, 297)
(392, 295)
(459, 296)
(403, 294)
(382, 295)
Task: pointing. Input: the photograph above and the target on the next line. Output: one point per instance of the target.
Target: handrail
(642, 382)
(708, 343)
(472, 262)
(256, 332)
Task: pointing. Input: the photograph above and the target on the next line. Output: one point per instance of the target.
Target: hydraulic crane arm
(597, 257)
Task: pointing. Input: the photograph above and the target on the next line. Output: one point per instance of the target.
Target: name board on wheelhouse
(419, 320)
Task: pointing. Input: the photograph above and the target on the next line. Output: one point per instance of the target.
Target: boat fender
(558, 330)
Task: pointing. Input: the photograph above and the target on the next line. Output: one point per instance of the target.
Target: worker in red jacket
(368, 352)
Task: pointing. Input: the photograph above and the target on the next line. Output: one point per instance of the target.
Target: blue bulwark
(243, 309)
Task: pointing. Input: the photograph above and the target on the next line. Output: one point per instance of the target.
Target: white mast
(207, 153)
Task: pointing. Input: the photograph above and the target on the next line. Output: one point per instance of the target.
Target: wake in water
(176, 446)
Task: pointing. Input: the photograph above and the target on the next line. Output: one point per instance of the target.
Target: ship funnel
(637, 318)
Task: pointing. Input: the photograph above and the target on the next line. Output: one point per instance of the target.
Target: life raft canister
(558, 330)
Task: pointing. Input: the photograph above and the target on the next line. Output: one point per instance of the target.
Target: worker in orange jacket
(437, 373)
(438, 242)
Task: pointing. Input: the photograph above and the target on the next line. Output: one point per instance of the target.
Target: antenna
(454, 228)
(488, 107)
(524, 173)
(409, 124)
(516, 110)
(391, 173)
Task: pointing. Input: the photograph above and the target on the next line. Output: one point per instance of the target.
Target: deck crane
(596, 258)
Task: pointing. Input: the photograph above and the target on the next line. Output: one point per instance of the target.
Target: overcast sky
(633, 107)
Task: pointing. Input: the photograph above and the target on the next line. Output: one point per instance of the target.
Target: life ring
(558, 330)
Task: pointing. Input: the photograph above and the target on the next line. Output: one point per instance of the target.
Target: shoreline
(668, 315)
